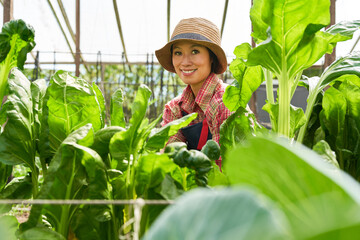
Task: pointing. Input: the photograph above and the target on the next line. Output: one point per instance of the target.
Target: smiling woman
(194, 53)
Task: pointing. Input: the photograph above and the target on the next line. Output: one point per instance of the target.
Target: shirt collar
(207, 91)
(203, 97)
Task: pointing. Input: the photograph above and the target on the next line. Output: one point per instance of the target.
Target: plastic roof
(144, 26)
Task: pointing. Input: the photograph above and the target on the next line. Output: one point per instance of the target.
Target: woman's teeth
(190, 71)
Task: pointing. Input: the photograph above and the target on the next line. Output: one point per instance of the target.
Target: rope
(85, 202)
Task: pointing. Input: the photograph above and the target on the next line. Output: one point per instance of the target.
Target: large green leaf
(343, 233)
(126, 142)
(151, 171)
(70, 103)
(17, 142)
(101, 101)
(16, 40)
(235, 129)
(18, 188)
(5, 173)
(116, 108)
(24, 32)
(38, 91)
(75, 172)
(102, 141)
(41, 233)
(341, 123)
(8, 227)
(290, 34)
(349, 64)
(313, 194)
(220, 214)
(248, 79)
(159, 136)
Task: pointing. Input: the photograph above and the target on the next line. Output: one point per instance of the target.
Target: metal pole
(224, 17)
(77, 42)
(330, 58)
(8, 11)
(168, 19)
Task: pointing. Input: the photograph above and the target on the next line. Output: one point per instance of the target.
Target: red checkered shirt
(208, 104)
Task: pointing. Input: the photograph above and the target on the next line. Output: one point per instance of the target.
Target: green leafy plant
(276, 187)
(16, 40)
(290, 39)
(20, 138)
(59, 130)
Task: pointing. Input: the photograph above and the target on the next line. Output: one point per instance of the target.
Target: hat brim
(165, 59)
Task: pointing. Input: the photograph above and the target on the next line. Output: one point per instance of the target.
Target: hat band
(192, 36)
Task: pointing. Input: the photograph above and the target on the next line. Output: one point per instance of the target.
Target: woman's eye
(177, 53)
(195, 51)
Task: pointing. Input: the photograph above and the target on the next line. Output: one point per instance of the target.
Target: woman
(195, 55)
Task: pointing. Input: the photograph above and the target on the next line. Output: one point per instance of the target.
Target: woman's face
(192, 63)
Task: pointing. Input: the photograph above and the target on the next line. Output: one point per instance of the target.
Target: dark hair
(215, 61)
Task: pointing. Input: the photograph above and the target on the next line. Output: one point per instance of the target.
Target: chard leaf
(340, 121)
(344, 30)
(125, 143)
(290, 41)
(16, 40)
(290, 35)
(239, 214)
(8, 227)
(75, 172)
(69, 104)
(159, 136)
(151, 171)
(25, 32)
(323, 149)
(102, 140)
(5, 173)
(85, 226)
(101, 101)
(41, 233)
(18, 188)
(333, 116)
(349, 64)
(116, 108)
(248, 79)
(18, 139)
(313, 194)
(38, 91)
(235, 129)
(18, 142)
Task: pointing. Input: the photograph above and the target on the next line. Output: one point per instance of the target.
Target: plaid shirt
(208, 104)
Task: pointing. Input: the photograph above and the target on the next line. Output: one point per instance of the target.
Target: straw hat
(198, 30)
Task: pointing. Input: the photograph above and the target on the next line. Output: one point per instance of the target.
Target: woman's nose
(186, 60)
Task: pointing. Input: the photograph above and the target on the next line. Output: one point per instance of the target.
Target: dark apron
(197, 134)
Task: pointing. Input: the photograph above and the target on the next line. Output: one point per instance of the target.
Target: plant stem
(34, 180)
(309, 108)
(284, 105)
(65, 209)
(269, 86)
